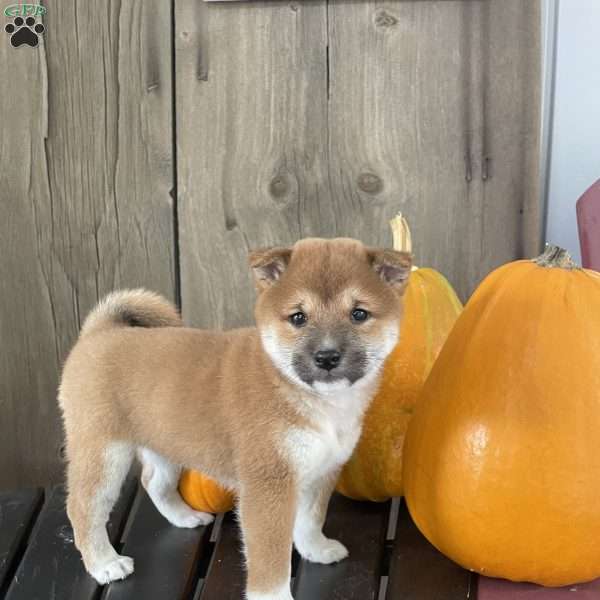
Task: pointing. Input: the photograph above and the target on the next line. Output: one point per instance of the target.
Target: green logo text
(25, 10)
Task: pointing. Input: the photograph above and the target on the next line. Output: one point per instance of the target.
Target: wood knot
(279, 186)
(385, 19)
(370, 183)
(230, 223)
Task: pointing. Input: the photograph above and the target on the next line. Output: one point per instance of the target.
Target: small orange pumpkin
(203, 493)
(431, 307)
(502, 456)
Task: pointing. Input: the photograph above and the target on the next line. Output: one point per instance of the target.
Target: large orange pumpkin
(502, 456)
(430, 309)
(203, 493)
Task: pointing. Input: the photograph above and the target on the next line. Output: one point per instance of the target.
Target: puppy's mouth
(345, 375)
(327, 379)
(333, 377)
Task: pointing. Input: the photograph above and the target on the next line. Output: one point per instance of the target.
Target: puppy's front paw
(324, 550)
(113, 570)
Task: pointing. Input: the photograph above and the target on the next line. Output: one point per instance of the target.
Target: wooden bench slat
(51, 566)
(226, 577)
(499, 589)
(17, 511)
(361, 527)
(418, 571)
(165, 556)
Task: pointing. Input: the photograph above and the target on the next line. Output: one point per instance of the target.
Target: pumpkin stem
(401, 234)
(555, 256)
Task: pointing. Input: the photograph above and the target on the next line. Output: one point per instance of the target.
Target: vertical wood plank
(29, 428)
(511, 57)
(251, 139)
(87, 171)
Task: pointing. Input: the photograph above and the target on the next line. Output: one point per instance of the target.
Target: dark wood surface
(166, 557)
(361, 527)
(418, 571)
(51, 566)
(225, 577)
(17, 515)
(389, 559)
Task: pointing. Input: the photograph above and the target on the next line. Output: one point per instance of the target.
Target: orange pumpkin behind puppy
(431, 307)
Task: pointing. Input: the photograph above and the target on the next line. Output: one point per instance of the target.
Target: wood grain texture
(419, 572)
(421, 106)
(511, 71)
(400, 88)
(87, 170)
(336, 116)
(251, 139)
(29, 428)
(51, 566)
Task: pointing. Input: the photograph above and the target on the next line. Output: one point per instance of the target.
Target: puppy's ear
(268, 264)
(392, 266)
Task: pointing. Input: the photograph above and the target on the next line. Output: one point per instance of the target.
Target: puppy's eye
(358, 315)
(298, 319)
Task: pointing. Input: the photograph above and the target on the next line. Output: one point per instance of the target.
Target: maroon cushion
(588, 221)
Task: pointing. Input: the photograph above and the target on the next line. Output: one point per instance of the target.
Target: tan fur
(215, 401)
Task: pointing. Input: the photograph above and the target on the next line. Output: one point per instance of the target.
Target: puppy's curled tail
(131, 308)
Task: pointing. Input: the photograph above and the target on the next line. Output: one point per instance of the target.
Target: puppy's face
(329, 311)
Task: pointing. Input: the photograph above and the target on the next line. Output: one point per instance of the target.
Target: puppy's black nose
(327, 359)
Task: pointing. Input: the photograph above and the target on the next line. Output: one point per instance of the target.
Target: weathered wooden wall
(326, 118)
(284, 119)
(86, 171)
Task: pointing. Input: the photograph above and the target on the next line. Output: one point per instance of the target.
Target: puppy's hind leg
(95, 478)
(160, 477)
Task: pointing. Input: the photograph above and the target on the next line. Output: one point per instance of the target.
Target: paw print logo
(24, 31)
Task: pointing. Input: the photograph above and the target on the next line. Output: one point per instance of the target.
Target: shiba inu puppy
(272, 412)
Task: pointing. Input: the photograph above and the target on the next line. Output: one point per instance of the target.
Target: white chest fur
(336, 422)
